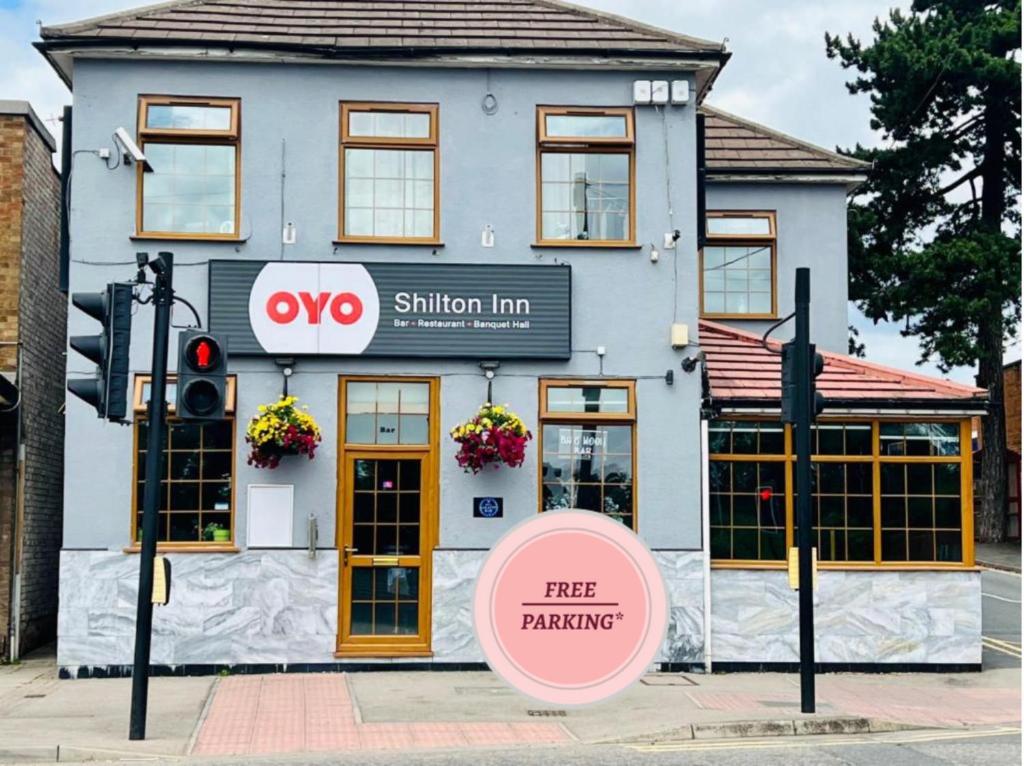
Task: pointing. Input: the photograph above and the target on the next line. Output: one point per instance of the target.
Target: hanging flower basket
(495, 436)
(281, 429)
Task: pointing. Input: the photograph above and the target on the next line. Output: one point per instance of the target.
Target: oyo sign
(392, 309)
(314, 308)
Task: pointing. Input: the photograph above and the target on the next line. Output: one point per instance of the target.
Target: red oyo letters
(283, 307)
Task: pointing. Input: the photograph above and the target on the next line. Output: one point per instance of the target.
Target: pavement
(244, 718)
(998, 556)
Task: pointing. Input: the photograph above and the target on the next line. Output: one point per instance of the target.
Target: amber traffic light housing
(202, 376)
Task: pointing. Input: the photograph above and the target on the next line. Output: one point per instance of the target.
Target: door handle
(348, 549)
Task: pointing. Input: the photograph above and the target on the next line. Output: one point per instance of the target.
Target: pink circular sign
(570, 607)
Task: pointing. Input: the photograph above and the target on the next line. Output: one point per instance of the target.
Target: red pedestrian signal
(202, 353)
(202, 371)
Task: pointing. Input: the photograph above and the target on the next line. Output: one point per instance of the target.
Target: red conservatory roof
(739, 368)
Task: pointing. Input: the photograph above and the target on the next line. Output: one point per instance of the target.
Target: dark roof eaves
(865, 403)
(375, 52)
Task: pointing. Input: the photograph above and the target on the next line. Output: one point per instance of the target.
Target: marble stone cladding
(877, 617)
(251, 607)
(455, 573)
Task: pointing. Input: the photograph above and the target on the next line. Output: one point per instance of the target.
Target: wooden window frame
(431, 143)
(876, 459)
(741, 240)
(140, 409)
(230, 137)
(549, 417)
(586, 145)
(391, 646)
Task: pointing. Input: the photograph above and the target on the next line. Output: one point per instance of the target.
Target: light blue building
(415, 210)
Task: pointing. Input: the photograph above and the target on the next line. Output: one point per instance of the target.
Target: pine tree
(935, 232)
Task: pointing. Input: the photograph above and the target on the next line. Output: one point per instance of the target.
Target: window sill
(847, 567)
(589, 244)
(169, 237)
(389, 241)
(384, 652)
(187, 548)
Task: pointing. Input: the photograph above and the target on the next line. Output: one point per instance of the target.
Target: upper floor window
(192, 145)
(737, 265)
(586, 192)
(389, 172)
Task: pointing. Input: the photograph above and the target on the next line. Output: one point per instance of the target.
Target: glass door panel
(382, 555)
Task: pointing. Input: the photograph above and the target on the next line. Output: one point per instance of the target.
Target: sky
(778, 75)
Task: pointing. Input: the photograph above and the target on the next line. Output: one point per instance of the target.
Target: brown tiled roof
(734, 145)
(411, 25)
(740, 369)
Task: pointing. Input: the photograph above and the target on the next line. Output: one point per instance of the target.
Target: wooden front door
(387, 519)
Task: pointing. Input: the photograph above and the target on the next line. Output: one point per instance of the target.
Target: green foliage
(935, 231)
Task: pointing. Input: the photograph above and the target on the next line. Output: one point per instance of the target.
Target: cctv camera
(690, 363)
(131, 150)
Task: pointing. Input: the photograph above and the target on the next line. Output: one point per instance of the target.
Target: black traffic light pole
(802, 426)
(163, 297)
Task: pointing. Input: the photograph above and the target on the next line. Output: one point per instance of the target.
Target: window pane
(195, 490)
(389, 193)
(742, 225)
(191, 189)
(922, 507)
(737, 279)
(585, 196)
(750, 498)
(586, 125)
(181, 117)
(588, 399)
(921, 439)
(389, 124)
(588, 466)
(387, 413)
(737, 437)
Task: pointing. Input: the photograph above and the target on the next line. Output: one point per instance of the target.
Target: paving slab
(39, 713)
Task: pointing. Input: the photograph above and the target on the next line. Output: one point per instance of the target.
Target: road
(997, 747)
(1000, 619)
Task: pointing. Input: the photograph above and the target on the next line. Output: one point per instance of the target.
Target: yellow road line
(1003, 647)
(814, 741)
(1004, 642)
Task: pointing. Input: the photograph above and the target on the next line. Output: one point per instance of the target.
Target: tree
(935, 232)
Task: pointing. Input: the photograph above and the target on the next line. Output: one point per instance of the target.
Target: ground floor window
(883, 492)
(587, 447)
(196, 478)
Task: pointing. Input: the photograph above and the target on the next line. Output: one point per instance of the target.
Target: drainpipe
(705, 518)
(17, 515)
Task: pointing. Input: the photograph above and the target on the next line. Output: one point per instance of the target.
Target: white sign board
(270, 509)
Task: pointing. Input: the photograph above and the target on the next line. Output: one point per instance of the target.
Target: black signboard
(488, 507)
(392, 309)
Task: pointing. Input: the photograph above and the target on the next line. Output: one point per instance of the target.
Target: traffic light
(202, 376)
(817, 398)
(789, 382)
(107, 391)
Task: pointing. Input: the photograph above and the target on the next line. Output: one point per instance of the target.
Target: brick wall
(33, 312)
(12, 135)
(12, 140)
(1011, 400)
(43, 323)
